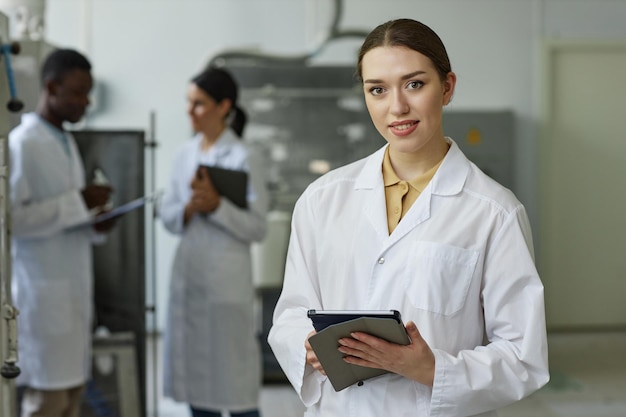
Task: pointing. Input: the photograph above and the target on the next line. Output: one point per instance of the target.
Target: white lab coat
(52, 260)
(459, 264)
(211, 351)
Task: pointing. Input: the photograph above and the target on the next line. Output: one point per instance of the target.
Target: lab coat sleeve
(300, 293)
(40, 218)
(514, 363)
(250, 224)
(171, 208)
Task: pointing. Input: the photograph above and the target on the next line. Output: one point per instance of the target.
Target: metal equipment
(8, 313)
(119, 264)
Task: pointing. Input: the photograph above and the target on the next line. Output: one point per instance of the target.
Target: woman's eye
(376, 91)
(415, 85)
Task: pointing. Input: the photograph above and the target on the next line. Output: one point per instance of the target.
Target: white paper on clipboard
(124, 208)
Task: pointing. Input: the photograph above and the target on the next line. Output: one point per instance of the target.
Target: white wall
(145, 51)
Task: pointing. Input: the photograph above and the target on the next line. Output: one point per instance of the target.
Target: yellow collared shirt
(400, 195)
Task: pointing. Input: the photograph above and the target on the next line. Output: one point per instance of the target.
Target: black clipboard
(230, 183)
(385, 324)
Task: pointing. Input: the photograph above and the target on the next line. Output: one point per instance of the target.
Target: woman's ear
(225, 105)
(448, 87)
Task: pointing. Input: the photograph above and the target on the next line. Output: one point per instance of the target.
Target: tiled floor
(588, 379)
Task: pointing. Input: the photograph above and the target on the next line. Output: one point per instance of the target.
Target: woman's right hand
(204, 197)
(311, 357)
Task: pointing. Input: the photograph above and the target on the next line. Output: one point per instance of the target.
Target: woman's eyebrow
(404, 77)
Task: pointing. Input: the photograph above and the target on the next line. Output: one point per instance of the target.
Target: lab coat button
(381, 261)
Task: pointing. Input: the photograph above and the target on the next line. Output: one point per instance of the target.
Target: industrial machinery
(8, 313)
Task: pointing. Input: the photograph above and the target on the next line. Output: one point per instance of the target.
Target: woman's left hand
(415, 361)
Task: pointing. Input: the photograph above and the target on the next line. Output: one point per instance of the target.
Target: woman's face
(405, 97)
(205, 114)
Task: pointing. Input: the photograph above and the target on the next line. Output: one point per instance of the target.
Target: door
(582, 236)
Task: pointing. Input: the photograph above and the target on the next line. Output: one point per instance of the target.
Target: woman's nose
(399, 104)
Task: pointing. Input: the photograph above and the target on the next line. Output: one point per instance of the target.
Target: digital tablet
(324, 318)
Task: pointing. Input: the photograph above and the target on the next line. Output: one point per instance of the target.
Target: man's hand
(96, 195)
(106, 225)
(415, 361)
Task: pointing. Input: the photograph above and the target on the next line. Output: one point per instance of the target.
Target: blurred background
(538, 106)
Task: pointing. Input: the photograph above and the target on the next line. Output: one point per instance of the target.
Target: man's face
(69, 96)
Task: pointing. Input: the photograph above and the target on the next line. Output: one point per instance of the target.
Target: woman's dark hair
(220, 85)
(410, 34)
(60, 62)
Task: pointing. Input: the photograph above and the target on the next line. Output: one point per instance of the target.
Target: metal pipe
(8, 322)
(241, 57)
(8, 313)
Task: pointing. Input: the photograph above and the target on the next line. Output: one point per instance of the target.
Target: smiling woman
(407, 80)
(415, 227)
(406, 106)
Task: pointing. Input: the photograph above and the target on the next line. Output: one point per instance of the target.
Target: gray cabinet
(119, 269)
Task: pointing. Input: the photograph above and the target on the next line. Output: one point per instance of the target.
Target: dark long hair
(220, 84)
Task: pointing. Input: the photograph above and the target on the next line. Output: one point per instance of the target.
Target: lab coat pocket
(440, 277)
(55, 311)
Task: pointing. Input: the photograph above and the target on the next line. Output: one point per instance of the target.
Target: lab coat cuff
(178, 225)
(74, 209)
(440, 384)
(311, 390)
(306, 381)
(98, 238)
(220, 214)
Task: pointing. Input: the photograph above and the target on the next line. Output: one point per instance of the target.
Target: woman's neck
(210, 137)
(410, 165)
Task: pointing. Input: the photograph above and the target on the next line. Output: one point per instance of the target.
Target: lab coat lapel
(59, 159)
(370, 182)
(448, 180)
(78, 170)
(417, 214)
(220, 150)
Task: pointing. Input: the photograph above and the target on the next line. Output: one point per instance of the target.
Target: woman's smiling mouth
(403, 128)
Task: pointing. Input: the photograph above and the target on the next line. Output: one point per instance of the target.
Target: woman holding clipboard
(211, 353)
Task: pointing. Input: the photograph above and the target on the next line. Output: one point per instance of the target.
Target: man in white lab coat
(52, 261)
